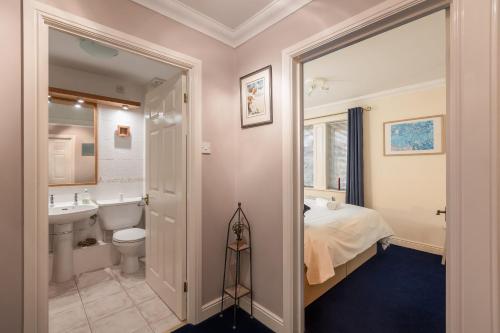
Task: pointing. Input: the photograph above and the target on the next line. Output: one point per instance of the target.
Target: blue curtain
(355, 184)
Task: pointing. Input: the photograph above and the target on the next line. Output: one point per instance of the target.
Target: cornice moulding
(266, 17)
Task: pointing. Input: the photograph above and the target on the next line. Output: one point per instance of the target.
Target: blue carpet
(398, 291)
(217, 324)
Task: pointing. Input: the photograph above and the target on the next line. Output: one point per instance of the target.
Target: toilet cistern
(122, 216)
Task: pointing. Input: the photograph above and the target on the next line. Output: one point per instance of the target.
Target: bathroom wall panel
(120, 159)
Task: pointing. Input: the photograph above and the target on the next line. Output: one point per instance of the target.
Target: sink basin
(68, 212)
(62, 215)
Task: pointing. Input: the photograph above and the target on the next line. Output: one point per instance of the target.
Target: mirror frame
(54, 95)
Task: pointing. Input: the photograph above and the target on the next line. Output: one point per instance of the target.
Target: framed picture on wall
(417, 136)
(256, 98)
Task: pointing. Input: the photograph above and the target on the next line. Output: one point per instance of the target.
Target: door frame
(459, 284)
(37, 19)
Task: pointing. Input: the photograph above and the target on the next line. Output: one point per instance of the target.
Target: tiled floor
(108, 301)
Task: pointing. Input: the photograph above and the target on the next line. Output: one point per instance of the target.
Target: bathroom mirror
(72, 141)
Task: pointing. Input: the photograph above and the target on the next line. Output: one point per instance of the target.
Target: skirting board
(417, 245)
(266, 317)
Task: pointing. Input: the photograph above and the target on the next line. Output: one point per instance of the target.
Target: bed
(336, 242)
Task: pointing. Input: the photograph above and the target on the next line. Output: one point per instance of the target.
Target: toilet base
(129, 264)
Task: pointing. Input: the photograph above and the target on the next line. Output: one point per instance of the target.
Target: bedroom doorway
(374, 181)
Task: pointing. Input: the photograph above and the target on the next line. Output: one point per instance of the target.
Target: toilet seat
(131, 235)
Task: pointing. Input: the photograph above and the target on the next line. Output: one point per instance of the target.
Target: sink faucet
(51, 201)
(76, 198)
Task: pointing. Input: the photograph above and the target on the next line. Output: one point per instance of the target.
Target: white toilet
(121, 216)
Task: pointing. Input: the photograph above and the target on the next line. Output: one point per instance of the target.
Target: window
(325, 155)
(309, 156)
(337, 155)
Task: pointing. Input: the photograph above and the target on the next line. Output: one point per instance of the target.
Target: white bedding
(333, 237)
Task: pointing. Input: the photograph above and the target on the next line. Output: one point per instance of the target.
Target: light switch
(206, 148)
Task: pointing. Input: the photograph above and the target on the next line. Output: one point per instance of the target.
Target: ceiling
(412, 54)
(232, 22)
(65, 51)
(230, 13)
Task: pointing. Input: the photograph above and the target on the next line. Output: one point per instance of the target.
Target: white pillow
(321, 202)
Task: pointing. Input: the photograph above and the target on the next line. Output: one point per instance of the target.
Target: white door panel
(166, 186)
(61, 159)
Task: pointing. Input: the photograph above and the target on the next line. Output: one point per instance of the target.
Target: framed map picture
(416, 136)
(256, 98)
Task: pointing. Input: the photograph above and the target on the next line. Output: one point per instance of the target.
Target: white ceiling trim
(266, 17)
(315, 110)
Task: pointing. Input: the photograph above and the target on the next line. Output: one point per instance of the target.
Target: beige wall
(406, 190)
(327, 194)
(11, 242)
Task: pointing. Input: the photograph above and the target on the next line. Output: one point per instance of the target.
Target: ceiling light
(125, 107)
(78, 105)
(319, 84)
(81, 101)
(97, 50)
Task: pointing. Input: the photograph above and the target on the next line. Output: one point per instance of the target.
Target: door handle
(146, 199)
(439, 212)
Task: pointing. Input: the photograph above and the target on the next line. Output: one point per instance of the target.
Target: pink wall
(219, 118)
(245, 165)
(255, 174)
(11, 242)
(258, 178)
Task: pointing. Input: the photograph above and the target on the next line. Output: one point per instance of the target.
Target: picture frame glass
(256, 98)
(414, 136)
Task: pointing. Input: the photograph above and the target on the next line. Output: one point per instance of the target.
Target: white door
(61, 160)
(166, 128)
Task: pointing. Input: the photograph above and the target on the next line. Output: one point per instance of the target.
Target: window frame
(320, 151)
(329, 151)
(313, 156)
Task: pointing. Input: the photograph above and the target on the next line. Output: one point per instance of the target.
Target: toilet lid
(129, 235)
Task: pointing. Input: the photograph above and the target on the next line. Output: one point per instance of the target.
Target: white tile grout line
(137, 308)
(134, 305)
(83, 305)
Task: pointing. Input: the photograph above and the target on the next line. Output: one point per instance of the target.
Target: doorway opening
(117, 126)
(295, 58)
(374, 166)
(113, 241)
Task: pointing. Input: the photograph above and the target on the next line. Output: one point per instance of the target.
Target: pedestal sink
(62, 216)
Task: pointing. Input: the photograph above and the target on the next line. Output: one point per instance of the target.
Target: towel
(332, 205)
